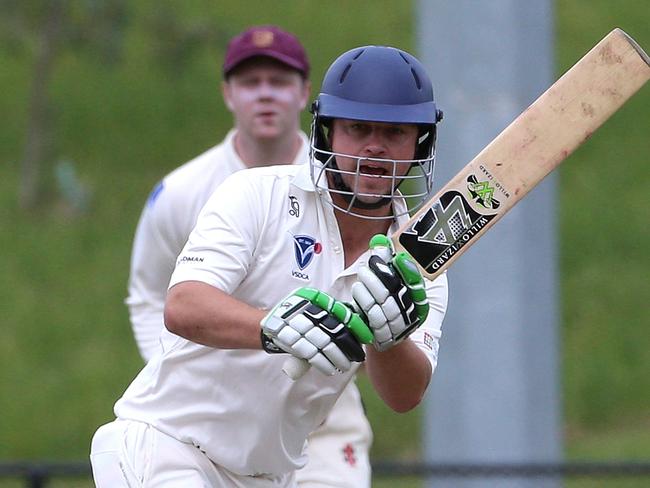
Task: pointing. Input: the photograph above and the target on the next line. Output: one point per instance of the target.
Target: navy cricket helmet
(376, 84)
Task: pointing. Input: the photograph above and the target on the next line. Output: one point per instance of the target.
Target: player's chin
(368, 198)
(267, 132)
(374, 188)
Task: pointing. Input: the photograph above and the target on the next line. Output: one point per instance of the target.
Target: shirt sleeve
(156, 245)
(427, 336)
(221, 248)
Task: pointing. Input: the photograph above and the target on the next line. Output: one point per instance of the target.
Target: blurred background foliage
(101, 98)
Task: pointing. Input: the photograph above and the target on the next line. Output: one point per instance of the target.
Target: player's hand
(390, 293)
(313, 326)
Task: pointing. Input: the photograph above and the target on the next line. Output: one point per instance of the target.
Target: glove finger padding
(311, 325)
(390, 293)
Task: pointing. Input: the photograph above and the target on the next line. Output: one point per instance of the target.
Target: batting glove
(311, 325)
(390, 294)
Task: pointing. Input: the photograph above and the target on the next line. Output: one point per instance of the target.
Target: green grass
(67, 352)
(605, 237)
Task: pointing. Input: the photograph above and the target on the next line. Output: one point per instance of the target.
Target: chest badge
(305, 247)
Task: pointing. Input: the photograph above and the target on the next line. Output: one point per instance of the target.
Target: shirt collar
(301, 155)
(302, 178)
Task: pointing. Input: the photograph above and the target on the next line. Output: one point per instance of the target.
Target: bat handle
(295, 367)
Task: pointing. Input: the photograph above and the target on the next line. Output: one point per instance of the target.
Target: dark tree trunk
(39, 125)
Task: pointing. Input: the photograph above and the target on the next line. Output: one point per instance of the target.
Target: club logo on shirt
(304, 247)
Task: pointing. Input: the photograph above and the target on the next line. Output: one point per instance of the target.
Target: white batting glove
(390, 294)
(313, 326)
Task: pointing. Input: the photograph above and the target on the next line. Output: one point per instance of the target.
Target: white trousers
(338, 450)
(130, 454)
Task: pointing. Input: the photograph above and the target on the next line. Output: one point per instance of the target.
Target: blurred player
(265, 87)
(214, 408)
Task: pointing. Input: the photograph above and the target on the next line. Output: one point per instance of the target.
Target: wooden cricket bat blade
(532, 146)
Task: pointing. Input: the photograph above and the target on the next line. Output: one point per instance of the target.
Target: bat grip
(295, 367)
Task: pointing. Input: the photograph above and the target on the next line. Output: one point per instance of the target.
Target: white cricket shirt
(263, 233)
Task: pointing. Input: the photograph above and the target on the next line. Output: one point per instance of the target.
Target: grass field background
(67, 352)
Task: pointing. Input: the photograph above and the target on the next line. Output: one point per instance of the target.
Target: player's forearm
(203, 314)
(400, 375)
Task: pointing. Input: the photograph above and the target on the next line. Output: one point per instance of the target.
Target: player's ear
(226, 93)
(306, 94)
(328, 131)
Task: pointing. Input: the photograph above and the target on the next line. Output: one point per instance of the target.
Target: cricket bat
(525, 152)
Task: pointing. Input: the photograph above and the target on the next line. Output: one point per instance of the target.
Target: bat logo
(482, 193)
(443, 230)
(445, 224)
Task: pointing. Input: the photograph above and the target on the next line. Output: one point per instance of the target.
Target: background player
(265, 86)
(211, 408)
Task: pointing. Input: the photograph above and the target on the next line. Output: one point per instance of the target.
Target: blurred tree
(45, 29)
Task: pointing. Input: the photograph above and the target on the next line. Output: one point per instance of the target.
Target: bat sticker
(482, 193)
(443, 230)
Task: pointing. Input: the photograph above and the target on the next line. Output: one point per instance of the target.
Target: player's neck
(265, 152)
(356, 233)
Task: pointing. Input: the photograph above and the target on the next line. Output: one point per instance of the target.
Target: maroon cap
(266, 40)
